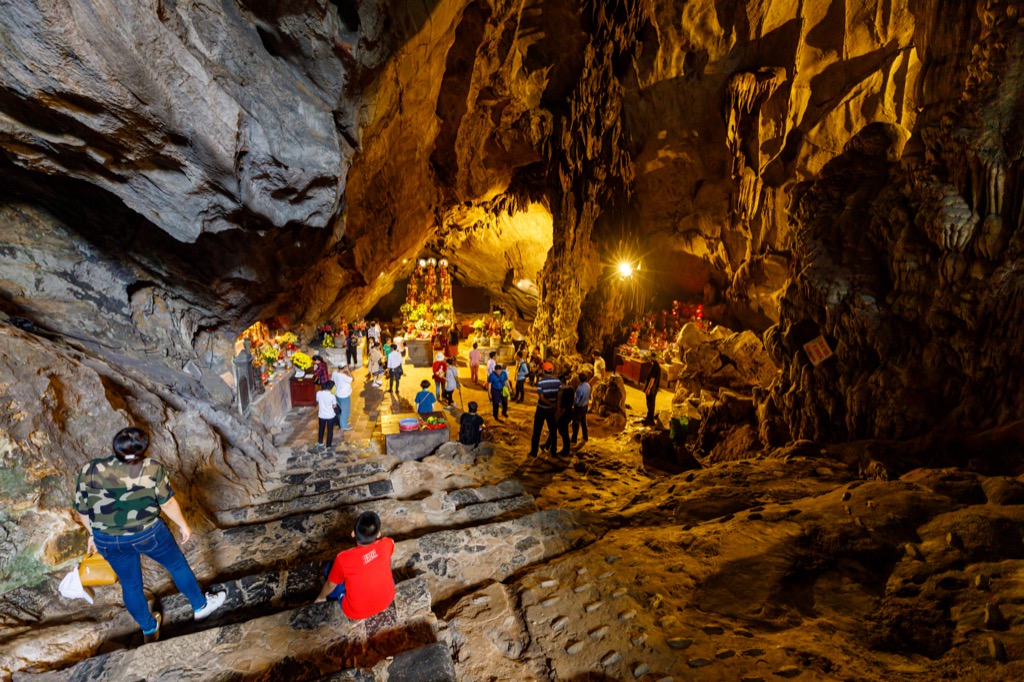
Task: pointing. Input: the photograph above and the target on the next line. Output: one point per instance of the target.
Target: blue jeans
(345, 405)
(156, 542)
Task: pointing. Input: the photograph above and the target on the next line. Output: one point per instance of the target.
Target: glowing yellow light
(423, 262)
(625, 269)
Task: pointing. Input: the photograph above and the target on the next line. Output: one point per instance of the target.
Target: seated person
(361, 577)
(471, 426)
(425, 398)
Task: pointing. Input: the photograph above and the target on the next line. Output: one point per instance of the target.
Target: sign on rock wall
(817, 350)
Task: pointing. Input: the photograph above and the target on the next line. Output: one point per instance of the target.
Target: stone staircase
(269, 558)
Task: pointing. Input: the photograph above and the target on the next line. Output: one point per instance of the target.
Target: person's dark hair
(519, 355)
(472, 406)
(328, 386)
(475, 345)
(451, 361)
(130, 444)
(492, 354)
(367, 527)
(583, 377)
(424, 384)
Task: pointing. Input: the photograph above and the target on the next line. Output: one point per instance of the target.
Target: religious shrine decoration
(657, 332)
(264, 350)
(428, 305)
(818, 350)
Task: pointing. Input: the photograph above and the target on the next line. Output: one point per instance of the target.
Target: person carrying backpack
(497, 382)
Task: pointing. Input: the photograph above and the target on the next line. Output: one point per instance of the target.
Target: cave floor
(597, 566)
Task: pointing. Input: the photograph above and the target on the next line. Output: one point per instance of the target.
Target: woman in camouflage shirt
(119, 500)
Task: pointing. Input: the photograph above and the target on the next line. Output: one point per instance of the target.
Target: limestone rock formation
(831, 172)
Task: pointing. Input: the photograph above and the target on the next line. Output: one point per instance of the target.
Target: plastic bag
(71, 587)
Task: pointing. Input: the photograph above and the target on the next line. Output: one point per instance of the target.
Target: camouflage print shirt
(121, 498)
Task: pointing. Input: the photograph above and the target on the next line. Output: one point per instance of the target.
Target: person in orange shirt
(361, 577)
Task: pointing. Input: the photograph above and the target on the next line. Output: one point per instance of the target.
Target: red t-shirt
(439, 368)
(366, 573)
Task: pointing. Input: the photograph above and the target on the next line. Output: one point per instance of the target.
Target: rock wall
(908, 256)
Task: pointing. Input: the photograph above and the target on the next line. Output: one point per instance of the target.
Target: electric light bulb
(625, 269)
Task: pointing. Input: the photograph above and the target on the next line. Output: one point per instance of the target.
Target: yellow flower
(302, 361)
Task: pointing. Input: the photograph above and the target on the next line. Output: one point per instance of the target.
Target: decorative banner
(817, 350)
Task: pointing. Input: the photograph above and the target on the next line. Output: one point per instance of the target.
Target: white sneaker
(213, 602)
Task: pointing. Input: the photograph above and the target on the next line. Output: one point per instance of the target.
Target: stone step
(290, 485)
(300, 644)
(273, 511)
(430, 663)
(259, 548)
(312, 457)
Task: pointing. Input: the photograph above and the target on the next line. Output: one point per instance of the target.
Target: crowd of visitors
(119, 498)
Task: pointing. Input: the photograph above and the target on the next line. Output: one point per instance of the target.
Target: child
(471, 426)
(474, 363)
(425, 399)
(361, 577)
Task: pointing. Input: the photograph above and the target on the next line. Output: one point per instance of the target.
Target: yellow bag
(94, 571)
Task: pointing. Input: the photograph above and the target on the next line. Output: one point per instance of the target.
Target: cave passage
(666, 339)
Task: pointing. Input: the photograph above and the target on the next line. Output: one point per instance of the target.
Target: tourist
(651, 388)
(438, 369)
(497, 380)
(373, 334)
(395, 361)
(471, 425)
(343, 391)
(119, 500)
(425, 399)
(376, 368)
(327, 413)
(548, 389)
(320, 370)
(399, 343)
(361, 577)
(453, 341)
(522, 371)
(491, 362)
(535, 366)
(563, 418)
(451, 377)
(599, 366)
(351, 346)
(474, 363)
(580, 407)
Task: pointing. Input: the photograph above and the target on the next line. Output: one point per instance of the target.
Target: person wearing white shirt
(326, 405)
(343, 390)
(395, 360)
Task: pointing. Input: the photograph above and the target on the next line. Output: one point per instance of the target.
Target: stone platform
(413, 445)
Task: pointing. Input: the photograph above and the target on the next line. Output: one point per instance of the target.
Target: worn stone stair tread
(262, 547)
(311, 637)
(273, 511)
(324, 481)
(430, 663)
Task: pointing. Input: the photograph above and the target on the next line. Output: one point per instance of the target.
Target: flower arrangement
(328, 341)
(302, 361)
(479, 325)
(269, 354)
(287, 339)
(506, 331)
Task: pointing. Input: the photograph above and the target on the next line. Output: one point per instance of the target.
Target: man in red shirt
(364, 572)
